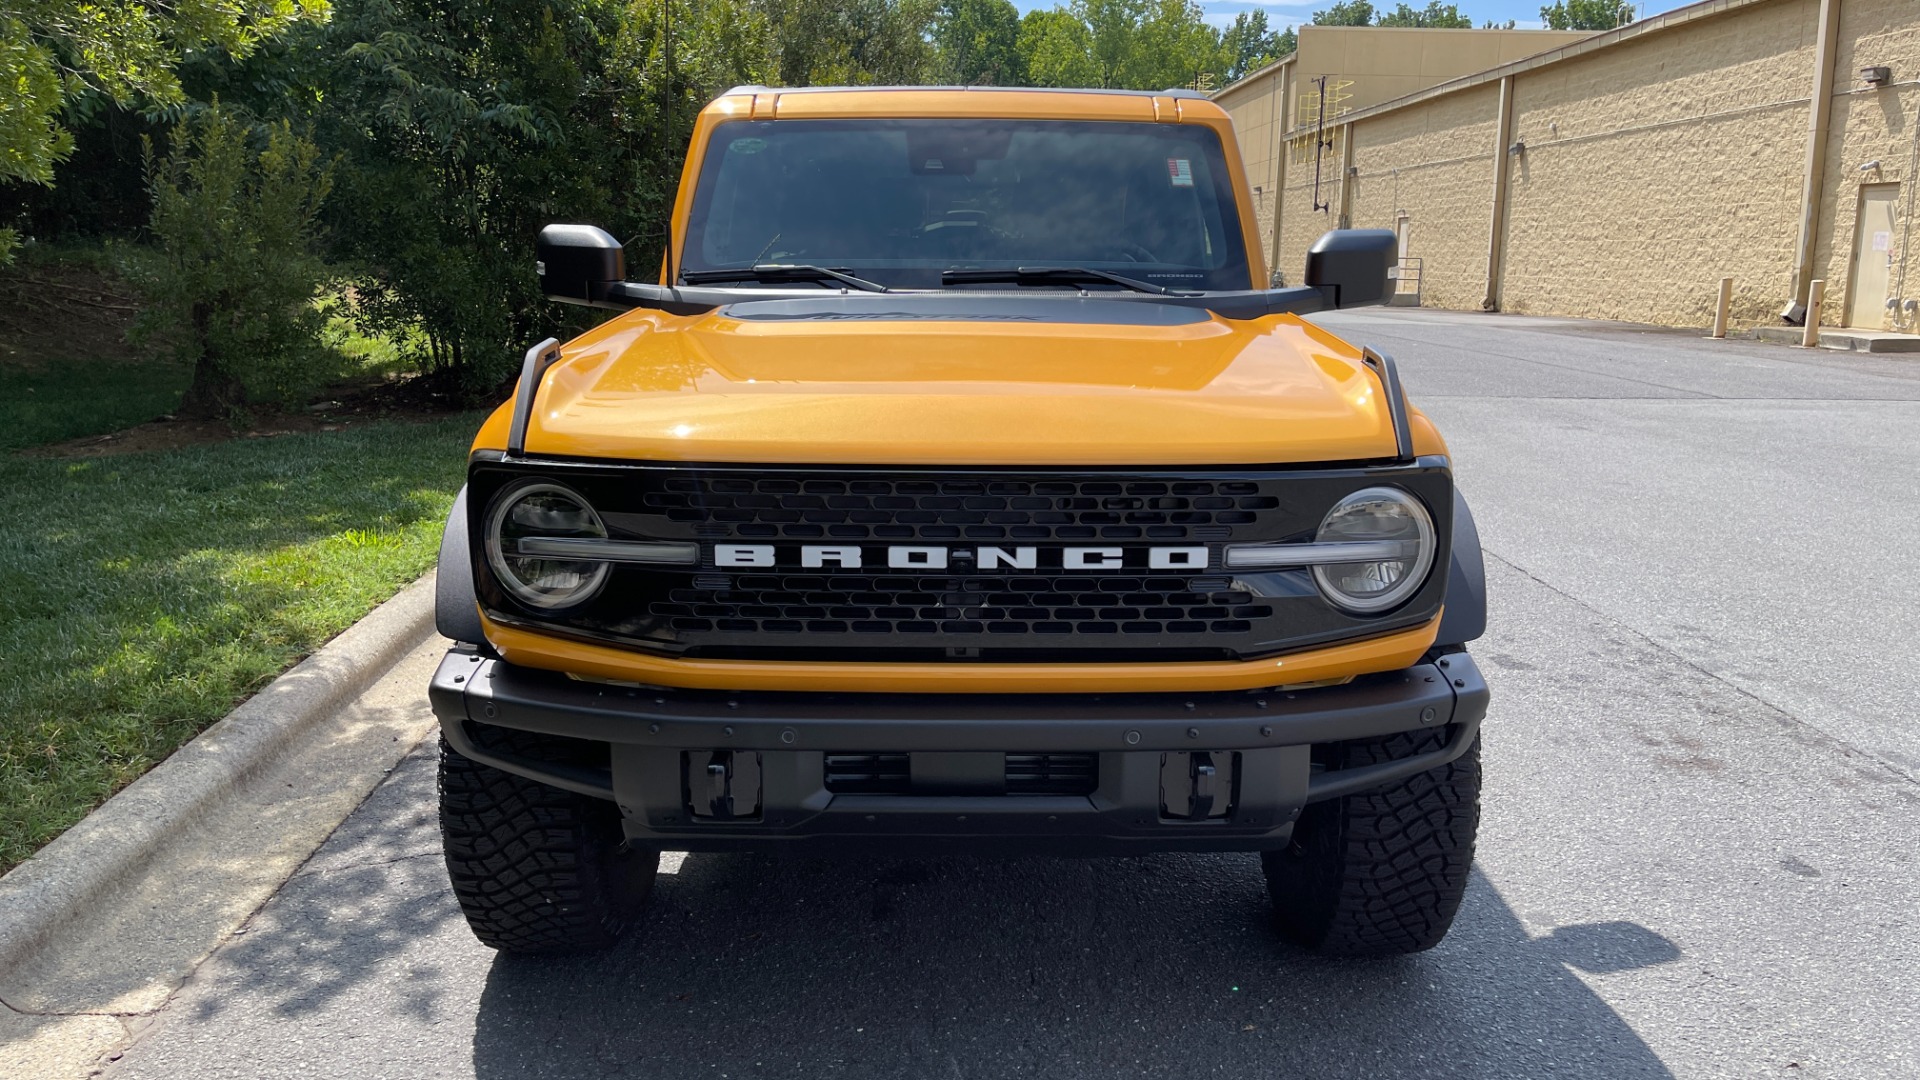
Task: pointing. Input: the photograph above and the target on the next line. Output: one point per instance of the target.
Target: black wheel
(537, 869)
(1382, 872)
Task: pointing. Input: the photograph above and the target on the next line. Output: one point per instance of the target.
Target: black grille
(1026, 774)
(1045, 610)
(1000, 604)
(1052, 774)
(867, 774)
(959, 509)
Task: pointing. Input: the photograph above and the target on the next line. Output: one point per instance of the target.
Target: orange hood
(1059, 382)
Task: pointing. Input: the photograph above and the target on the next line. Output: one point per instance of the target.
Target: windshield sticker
(746, 146)
(1181, 170)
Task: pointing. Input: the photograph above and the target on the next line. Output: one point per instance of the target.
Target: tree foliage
(1249, 45)
(979, 43)
(1123, 44)
(852, 42)
(234, 271)
(1346, 13)
(54, 54)
(1587, 14)
(1435, 15)
(1056, 49)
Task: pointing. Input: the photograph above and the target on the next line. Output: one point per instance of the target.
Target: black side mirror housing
(1353, 266)
(578, 264)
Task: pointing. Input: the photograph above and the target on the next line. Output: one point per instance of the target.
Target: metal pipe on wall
(1283, 82)
(1813, 177)
(1347, 175)
(1502, 169)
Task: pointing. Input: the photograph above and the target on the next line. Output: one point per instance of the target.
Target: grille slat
(784, 508)
(969, 605)
(1026, 774)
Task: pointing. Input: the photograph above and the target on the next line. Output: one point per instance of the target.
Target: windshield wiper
(1053, 275)
(777, 272)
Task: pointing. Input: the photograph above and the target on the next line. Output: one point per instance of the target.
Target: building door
(1872, 257)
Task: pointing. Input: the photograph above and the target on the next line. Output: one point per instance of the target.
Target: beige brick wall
(1654, 166)
(1436, 164)
(1870, 125)
(1254, 107)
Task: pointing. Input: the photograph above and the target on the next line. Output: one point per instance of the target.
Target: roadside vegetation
(147, 594)
(159, 568)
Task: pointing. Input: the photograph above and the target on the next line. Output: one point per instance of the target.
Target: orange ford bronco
(959, 484)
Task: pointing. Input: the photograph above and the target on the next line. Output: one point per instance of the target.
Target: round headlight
(544, 510)
(1376, 514)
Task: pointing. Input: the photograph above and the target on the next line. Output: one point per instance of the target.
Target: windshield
(900, 201)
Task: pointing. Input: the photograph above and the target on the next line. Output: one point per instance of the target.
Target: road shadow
(749, 966)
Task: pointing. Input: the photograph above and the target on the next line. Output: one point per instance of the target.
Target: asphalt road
(1697, 858)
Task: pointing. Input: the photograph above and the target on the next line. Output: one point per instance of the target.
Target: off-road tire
(1382, 872)
(537, 869)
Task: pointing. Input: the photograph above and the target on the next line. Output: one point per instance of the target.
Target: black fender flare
(456, 609)
(1465, 617)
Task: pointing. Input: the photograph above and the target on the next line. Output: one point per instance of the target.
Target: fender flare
(456, 609)
(1465, 617)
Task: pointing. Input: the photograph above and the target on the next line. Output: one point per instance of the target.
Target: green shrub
(234, 272)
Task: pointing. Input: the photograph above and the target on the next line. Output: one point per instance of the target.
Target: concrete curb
(114, 844)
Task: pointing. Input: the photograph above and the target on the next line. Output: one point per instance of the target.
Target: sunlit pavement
(1697, 857)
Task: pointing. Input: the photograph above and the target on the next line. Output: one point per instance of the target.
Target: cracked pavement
(1696, 858)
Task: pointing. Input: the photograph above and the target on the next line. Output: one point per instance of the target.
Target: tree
(1113, 35)
(236, 272)
(1250, 46)
(978, 42)
(1346, 13)
(1434, 15)
(1587, 14)
(54, 53)
(467, 125)
(1131, 44)
(852, 42)
(1056, 49)
(1175, 46)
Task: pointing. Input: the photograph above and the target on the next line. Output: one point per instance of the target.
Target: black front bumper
(650, 750)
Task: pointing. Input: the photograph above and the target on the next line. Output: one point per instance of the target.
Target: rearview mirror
(578, 264)
(1353, 266)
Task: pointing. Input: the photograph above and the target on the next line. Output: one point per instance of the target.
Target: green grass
(69, 399)
(146, 594)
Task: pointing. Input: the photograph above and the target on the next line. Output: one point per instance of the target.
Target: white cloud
(1221, 13)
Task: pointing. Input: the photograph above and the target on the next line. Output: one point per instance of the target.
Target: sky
(1525, 13)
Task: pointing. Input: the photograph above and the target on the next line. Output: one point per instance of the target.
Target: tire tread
(536, 869)
(1382, 872)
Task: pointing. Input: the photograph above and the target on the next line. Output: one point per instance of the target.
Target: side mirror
(1353, 266)
(578, 264)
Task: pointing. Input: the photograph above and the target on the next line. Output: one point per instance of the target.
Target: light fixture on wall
(1876, 76)
(1871, 166)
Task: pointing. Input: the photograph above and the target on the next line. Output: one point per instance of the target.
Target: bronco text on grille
(942, 565)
